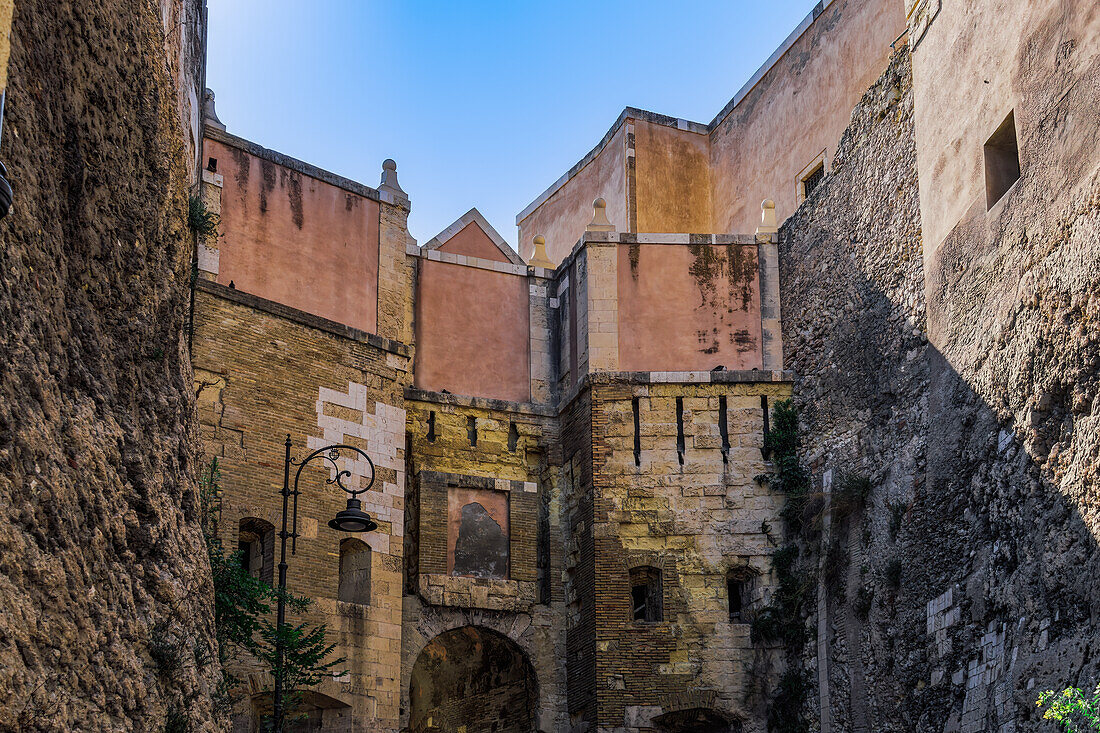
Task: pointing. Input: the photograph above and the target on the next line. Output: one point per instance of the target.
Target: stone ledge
(444, 479)
(483, 403)
(299, 316)
(484, 593)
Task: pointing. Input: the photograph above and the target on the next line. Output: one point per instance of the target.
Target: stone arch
(316, 711)
(474, 676)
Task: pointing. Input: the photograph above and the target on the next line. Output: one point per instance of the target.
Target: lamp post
(351, 519)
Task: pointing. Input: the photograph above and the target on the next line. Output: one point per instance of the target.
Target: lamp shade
(353, 519)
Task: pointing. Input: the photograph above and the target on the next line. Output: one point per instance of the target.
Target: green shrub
(1072, 708)
(202, 222)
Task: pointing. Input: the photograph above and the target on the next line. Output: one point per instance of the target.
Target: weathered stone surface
(106, 612)
(975, 559)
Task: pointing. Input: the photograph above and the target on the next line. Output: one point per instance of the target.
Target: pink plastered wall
(297, 240)
(562, 218)
(472, 332)
(472, 241)
(688, 307)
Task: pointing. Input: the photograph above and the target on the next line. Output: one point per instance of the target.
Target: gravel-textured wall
(102, 563)
(969, 579)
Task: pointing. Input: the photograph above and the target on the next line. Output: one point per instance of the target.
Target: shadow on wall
(971, 579)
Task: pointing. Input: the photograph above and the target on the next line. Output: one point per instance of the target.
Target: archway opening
(474, 678)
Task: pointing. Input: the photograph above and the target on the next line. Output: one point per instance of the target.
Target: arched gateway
(475, 679)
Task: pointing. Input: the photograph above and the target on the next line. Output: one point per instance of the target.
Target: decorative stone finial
(389, 177)
(208, 113)
(539, 258)
(599, 218)
(768, 228)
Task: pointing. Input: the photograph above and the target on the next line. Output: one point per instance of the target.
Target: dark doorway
(472, 677)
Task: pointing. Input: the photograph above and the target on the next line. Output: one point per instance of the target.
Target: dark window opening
(471, 429)
(1002, 161)
(354, 572)
(766, 451)
(680, 443)
(212, 165)
(723, 428)
(812, 180)
(646, 594)
(735, 591)
(256, 548)
(431, 427)
(637, 435)
(513, 436)
(543, 549)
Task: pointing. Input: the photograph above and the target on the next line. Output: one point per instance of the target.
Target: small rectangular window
(1002, 161)
(735, 590)
(513, 436)
(766, 449)
(812, 180)
(471, 429)
(646, 594)
(431, 427)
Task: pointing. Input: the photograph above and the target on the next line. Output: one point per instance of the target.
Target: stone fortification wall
(967, 581)
(102, 561)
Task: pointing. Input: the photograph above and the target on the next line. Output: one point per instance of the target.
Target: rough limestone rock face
(970, 578)
(105, 620)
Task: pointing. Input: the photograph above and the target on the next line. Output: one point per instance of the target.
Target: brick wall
(263, 371)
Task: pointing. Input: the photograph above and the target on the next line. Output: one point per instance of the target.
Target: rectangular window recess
(471, 429)
(813, 179)
(513, 437)
(735, 592)
(680, 443)
(637, 434)
(723, 428)
(1002, 161)
(431, 427)
(766, 450)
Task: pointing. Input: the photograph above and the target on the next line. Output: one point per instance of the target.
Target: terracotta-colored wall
(563, 217)
(672, 179)
(800, 107)
(688, 307)
(297, 240)
(495, 504)
(472, 333)
(472, 241)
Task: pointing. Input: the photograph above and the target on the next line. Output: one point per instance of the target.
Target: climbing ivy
(781, 620)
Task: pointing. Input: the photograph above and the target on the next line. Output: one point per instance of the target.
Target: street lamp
(351, 519)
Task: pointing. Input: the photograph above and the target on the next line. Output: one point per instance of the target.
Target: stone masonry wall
(263, 371)
(967, 582)
(101, 554)
(699, 517)
(515, 444)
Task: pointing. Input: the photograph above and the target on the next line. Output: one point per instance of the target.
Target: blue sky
(480, 103)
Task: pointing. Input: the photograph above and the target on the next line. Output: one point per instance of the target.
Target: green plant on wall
(201, 220)
(1076, 711)
(242, 615)
(781, 619)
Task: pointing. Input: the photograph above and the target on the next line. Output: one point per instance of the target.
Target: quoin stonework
(893, 228)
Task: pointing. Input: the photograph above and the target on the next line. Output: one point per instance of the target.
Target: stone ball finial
(539, 258)
(389, 177)
(600, 222)
(210, 117)
(768, 225)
